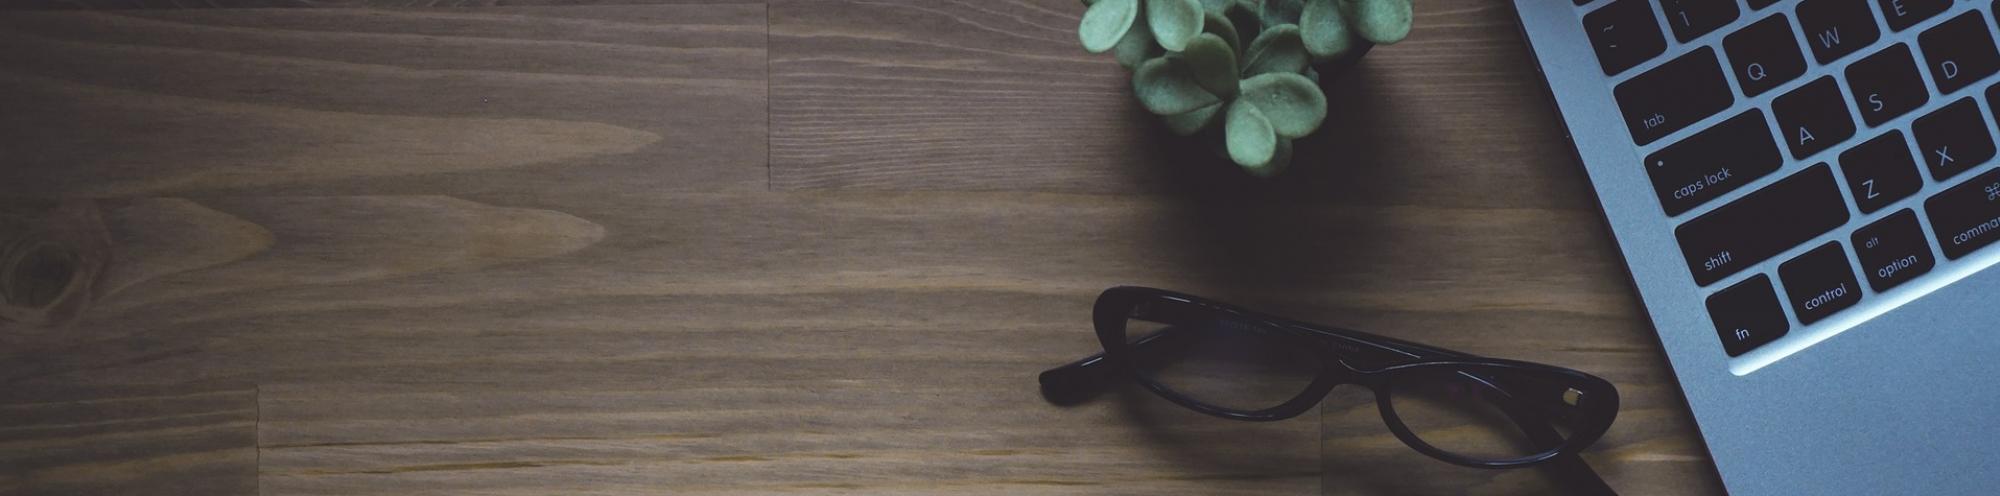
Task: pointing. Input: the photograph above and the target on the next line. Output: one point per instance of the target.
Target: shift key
(1763, 224)
(1967, 217)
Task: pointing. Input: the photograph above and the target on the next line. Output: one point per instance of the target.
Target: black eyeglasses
(1236, 364)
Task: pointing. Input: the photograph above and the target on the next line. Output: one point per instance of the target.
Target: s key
(1886, 84)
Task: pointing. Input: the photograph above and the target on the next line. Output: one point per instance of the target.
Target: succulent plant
(1191, 66)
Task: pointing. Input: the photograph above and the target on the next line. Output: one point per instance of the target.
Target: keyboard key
(1880, 171)
(1893, 251)
(1959, 52)
(1624, 34)
(1886, 84)
(1762, 224)
(1813, 117)
(1758, 4)
(1692, 18)
(1967, 217)
(1836, 27)
(1747, 315)
(1820, 282)
(1714, 161)
(1764, 55)
(1581, 3)
(1674, 95)
(1902, 14)
(1953, 139)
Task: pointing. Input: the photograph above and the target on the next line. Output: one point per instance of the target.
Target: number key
(1692, 18)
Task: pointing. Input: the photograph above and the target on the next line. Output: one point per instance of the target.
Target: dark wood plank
(241, 4)
(343, 101)
(128, 440)
(582, 284)
(998, 96)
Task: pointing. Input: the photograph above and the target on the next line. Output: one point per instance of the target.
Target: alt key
(1893, 250)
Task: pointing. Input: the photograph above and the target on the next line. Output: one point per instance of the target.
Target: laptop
(1806, 194)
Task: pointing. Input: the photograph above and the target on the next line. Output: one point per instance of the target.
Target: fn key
(1747, 315)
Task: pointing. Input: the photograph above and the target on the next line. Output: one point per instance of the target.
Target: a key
(1953, 138)
(1893, 251)
(1959, 52)
(1880, 171)
(1712, 162)
(1624, 34)
(1672, 96)
(1835, 28)
(1764, 55)
(1820, 283)
(1812, 117)
(1758, 4)
(1902, 14)
(1692, 18)
(1967, 216)
(1747, 315)
(1886, 84)
(1762, 224)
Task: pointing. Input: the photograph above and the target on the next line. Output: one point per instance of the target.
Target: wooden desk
(812, 247)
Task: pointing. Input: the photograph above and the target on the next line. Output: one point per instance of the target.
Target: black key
(1813, 117)
(1820, 282)
(1762, 224)
(1624, 34)
(1747, 315)
(1967, 217)
(1880, 171)
(1902, 14)
(1758, 4)
(1836, 27)
(1692, 18)
(1714, 161)
(1764, 55)
(1886, 84)
(1582, 2)
(1893, 251)
(1959, 51)
(1953, 139)
(1673, 95)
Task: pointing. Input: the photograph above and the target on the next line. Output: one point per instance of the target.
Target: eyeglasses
(1236, 364)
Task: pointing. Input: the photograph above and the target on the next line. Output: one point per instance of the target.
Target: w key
(1672, 96)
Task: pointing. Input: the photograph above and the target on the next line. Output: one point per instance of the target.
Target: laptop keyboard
(1885, 171)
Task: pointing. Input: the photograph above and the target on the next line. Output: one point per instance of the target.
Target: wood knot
(50, 258)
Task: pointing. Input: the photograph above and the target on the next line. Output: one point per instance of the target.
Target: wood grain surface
(810, 247)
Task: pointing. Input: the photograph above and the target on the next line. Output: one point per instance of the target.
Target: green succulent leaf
(1251, 141)
(1278, 50)
(1219, 25)
(1291, 102)
(1381, 21)
(1136, 46)
(1276, 12)
(1166, 86)
(1186, 124)
(1323, 28)
(1174, 22)
(1280, 160)
(1213, 64)
(1105, 23)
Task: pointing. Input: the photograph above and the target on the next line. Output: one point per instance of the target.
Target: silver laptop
(1807, 195)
